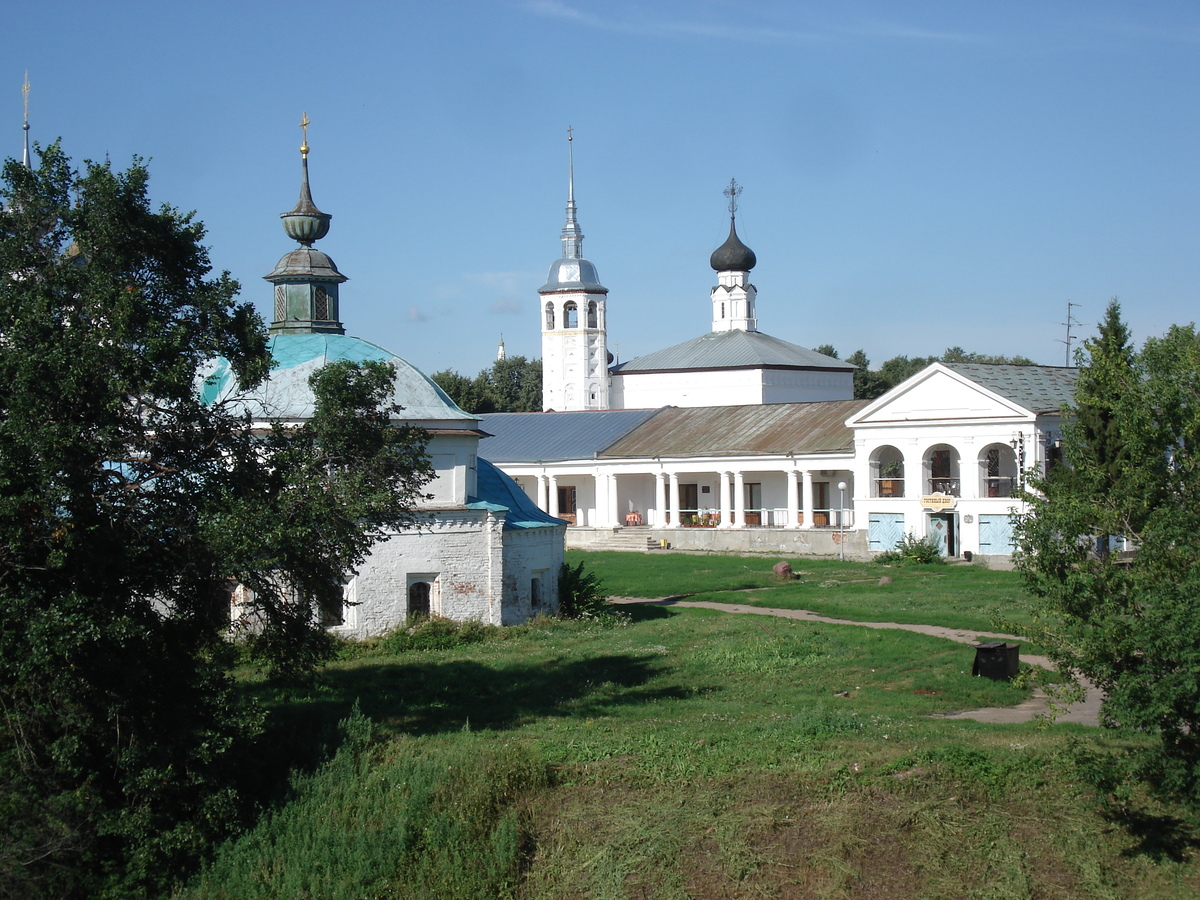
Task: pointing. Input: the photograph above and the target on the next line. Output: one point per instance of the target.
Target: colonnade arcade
(733, 497)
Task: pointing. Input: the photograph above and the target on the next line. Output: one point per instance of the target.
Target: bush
(437, 633)
(580, 594)
(912, 550)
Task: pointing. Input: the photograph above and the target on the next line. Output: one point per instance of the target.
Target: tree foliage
(128, 508)
(1128, 621)
(871, 383)
(512, 384)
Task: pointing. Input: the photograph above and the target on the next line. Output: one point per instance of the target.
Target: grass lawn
(686, 753)
(956, 596)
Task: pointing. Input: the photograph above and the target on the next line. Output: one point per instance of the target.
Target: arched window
(592, 314)
(535, 593)
(941, 462)
(418, 600)
(549, 316)
(887, 472)
(997, 471)
(570, 315)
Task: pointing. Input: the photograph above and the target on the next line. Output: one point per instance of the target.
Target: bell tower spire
(306, 280)
(574, 329)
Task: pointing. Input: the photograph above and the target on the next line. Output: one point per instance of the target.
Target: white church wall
(452, 550)
(728, 387)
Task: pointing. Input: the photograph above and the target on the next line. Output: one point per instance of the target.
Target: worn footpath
(1085, 712)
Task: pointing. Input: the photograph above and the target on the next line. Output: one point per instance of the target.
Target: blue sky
(916, 175)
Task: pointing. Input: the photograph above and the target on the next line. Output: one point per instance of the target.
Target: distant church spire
(733, 299)
(306, 280)
(25, 127)
(572, 237)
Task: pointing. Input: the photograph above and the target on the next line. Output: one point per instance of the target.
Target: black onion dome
(733, 255)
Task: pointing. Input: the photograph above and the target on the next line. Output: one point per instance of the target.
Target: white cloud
(722, 30)
(506, 307)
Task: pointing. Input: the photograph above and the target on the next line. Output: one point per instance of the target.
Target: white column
(674, 500)
(793, 499)
(660, 500)
(618, 514)
(726, 507)
(542, 481)
(552, 493)
(807, 497)
(604, 517)
(739, 499)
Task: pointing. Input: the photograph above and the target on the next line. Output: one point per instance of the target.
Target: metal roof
(286, 393)
(734, 349)
(499, 492)
(770, 429)
(1040, 389)
(551, 436)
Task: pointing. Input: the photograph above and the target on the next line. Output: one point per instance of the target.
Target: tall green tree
(128, 508)
(1128, 622)
(513, 384)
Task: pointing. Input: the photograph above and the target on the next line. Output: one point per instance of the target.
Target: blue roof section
(498, 492)
(550, 436)
(286, 394)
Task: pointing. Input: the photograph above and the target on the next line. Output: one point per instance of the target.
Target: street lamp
(842, 520)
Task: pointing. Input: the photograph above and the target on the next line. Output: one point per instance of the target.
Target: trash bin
(997, 660)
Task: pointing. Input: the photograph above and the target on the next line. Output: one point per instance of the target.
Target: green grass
(955, 596)
(688, 753)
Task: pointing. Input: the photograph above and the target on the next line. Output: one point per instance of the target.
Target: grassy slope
(956, 596)
(689, 753)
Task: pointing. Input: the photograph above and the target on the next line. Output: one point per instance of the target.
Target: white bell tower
(574, 322)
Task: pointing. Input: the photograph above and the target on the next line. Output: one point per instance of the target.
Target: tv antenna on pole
(1070, 321)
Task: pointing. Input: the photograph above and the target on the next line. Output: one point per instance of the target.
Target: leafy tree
(1128, 622)
(827, 350)
(513, 384)
(867, 384)
(516, 384)
(128, 508)
(472, 395)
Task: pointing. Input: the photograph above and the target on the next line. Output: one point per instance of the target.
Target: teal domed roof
(286, 395)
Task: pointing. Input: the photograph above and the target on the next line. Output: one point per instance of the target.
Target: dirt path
(1085, 712)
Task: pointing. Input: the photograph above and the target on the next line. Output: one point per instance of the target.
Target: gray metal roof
(731, 350)
(771, 429)
(1040, 389)
(551, 436)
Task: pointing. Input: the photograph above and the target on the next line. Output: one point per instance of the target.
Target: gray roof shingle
(1040, 389)
(731, 350)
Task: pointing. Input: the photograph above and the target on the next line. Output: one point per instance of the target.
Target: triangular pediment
(938, 394)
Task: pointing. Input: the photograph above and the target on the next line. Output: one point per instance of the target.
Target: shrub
(436, 633)
(580, 593)
(912, 550)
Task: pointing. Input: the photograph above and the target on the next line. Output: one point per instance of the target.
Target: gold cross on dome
(304, 123)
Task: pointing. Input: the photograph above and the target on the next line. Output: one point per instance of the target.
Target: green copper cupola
(306, 280)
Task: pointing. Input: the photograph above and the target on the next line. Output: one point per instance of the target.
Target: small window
(549, 316)
(535, 593)
(418, 600)
(592, 314)
(280, 303)
(321, 307)
(570, 315)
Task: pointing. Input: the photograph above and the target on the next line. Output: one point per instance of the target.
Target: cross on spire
(732, 193)
(304, 123)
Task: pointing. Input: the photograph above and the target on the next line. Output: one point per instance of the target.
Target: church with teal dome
(482, 550)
